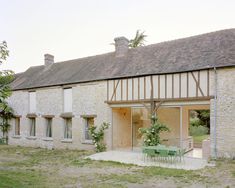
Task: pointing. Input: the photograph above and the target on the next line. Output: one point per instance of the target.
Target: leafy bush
(152, 134)
(198, 130)
(98, 136)
(195, 122)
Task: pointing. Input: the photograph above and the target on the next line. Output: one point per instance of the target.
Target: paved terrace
(136, 158)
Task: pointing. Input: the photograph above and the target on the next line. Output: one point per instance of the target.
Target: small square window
(48, 127)
(68, 128)
(32, 128)
(17, 126)
(89, 122)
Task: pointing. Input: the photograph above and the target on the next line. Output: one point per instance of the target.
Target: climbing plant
(6, 113)
(97, 135)
(151, 134)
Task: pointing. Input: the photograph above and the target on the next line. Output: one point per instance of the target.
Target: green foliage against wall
(6, 77)
(152, 134)
(198, 130)
(97, 135)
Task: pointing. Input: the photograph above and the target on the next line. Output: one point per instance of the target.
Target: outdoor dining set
(163, 153)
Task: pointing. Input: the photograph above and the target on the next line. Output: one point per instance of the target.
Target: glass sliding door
(140, 119)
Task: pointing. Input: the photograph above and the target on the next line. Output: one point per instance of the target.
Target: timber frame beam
(141, 101)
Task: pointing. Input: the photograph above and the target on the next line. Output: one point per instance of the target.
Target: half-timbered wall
(160, 87)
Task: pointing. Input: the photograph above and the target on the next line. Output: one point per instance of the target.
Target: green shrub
(198, 130)
(195, 122)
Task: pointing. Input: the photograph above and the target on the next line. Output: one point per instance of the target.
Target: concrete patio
(136, 158)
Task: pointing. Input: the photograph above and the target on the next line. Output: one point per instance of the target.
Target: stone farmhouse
(55, 103)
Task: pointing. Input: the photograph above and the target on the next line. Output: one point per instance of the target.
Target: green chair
(2, 141)
(180, 154)
(173, 153)
(163, 154)
(151, 154)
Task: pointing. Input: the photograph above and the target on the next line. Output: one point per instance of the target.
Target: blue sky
(74, 28)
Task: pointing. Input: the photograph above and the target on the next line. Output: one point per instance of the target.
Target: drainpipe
(215, 113)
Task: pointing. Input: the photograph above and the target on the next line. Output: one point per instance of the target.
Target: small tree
(6, 77)
(6, 114)
(97, 136)
(152, 134)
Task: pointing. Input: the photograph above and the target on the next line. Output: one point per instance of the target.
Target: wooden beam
(180, 85)
(138, 87)
(198, 79)
(107, 89)
(151, 94)
(187, 85)
(157, 106)
(121, 91)
(208, 82)
(158, 77)
(132, 89)
(127, 89)
(152, 87)
(197, 84)
(144, 87)
(165, 86)
(172, 86)
(114, 92)
(185, 99)
(147, 107)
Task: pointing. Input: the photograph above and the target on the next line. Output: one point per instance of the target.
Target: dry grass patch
(34, 167)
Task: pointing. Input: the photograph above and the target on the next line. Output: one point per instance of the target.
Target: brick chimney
(121, 46)
(48, 59)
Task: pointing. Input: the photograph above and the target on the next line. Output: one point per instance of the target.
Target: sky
(71, 29)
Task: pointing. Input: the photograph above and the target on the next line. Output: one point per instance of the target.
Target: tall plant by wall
(152, 134)
(97, 135)
(6, 77)
(6, 114)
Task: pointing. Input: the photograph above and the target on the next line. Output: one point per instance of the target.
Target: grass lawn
(199, 139)
(38, 168)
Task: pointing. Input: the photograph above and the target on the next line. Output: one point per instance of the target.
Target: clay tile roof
(216, 49)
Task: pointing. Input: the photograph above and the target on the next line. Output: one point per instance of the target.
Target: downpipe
(215, 113)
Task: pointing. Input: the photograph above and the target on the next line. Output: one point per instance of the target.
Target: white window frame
(32, 127)
(87, 137)
(32, 101)
(48, 122)
(66, 132)
(17, 130)
(68, 98)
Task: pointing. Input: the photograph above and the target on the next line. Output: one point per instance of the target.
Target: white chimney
(48, 59)
(121, 46)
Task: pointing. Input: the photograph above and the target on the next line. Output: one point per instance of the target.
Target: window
(17, 126)
(89, 121)
(68, 100)
(68, 128)
(48, 127)
(32, 102)
(32, 130)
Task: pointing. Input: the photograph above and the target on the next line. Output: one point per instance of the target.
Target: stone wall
(225, 118)
(88, 99)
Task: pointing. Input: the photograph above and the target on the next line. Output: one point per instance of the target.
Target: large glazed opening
(128, 120)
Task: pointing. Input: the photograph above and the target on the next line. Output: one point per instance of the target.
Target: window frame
(32, 101)
(67, 130)
(67, 99)
(17, 124)
(86, 135)
(48, 121)
(32, 123)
